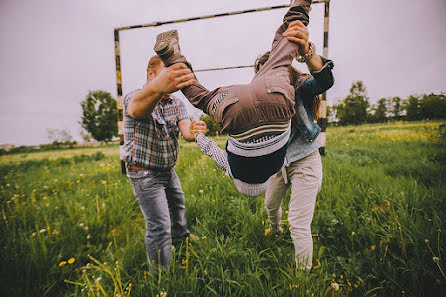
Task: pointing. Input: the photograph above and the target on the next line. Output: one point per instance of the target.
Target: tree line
(355, 108)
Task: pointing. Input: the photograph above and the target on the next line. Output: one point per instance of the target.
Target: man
(153, 119)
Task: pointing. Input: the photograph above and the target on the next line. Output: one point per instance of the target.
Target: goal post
(322, 121)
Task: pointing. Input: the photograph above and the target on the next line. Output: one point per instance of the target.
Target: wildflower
(436, 259)
(55, 232)
(42, 231)
(353, 233)
(62, 263)
(81, 225)
(267, 231)
(203, 237)
(88, 236)
(373, 247)
(71, 260)
(201, 191)
(426, 241)
(98, 280)
(104, 182)
(33, 234)
(335, 286)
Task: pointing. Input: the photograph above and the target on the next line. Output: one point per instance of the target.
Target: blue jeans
(161, 200)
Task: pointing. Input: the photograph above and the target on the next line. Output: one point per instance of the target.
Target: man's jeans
(305, 178)
(161, 200)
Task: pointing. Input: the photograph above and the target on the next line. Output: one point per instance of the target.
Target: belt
(134, 167)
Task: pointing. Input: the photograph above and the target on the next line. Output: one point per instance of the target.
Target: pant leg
(176, 201)
(283, 51)
(150, 191)
(274, 195)
(306, 179)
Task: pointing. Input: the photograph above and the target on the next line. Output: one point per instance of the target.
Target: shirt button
(268, 91)
(236, 100)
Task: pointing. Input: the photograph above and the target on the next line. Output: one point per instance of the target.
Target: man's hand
(297, 32)
(172, 79)
(197, 127)
(168, 80)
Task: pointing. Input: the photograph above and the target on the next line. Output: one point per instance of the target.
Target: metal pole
(322, 121)
(119, 102)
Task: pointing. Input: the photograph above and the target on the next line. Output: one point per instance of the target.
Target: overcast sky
(53, 52)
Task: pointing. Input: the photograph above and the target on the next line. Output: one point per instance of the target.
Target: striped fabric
(152, 142)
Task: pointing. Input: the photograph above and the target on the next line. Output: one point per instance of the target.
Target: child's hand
(297, 32)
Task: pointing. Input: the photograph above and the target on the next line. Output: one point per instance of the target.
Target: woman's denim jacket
(316, 84)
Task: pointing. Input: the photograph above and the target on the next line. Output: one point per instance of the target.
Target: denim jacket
(316, 84)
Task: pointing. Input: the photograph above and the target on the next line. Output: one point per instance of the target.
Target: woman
(303, 167)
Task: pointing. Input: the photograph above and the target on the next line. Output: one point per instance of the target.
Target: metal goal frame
(322, 121)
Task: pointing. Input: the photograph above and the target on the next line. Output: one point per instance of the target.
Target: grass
(377, 230)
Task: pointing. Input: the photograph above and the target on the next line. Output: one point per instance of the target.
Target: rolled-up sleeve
(321, 80)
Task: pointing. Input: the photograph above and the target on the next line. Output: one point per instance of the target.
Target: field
(70, 225)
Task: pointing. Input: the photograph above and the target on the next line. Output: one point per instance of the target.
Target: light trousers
(305, 178)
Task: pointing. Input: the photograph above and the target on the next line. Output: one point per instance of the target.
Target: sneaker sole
(162, 46)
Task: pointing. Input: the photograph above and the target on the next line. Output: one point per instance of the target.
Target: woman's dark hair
(294, 75)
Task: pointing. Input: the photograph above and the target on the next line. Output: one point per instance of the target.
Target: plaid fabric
(152, 142)
(210, 148)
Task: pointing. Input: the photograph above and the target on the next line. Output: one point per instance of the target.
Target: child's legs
(283, 51)
(198, 96)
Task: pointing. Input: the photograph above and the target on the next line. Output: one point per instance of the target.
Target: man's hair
(154, 62)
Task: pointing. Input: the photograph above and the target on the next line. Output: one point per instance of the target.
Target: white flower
(81, 225)
(201, 191)
(42, 231)
(335, 286)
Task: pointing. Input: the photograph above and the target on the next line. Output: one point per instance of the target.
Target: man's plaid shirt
(152, 142)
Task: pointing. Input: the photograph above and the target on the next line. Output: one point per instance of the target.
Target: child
(256, 115)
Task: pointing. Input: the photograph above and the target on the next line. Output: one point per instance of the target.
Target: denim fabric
(318, 83)
(161, 200)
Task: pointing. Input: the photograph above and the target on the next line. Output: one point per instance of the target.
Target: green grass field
(70, 225)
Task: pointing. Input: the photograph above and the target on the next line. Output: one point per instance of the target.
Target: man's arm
(190, 128)
(169, 80)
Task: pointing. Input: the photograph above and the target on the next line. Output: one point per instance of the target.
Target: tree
(412, 108)
(211, 125)
(381, 111)
(433, 106)
(100, 115)
(57, 136)
(353, 109)
(397, 108)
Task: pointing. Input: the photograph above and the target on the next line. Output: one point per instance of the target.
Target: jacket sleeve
(321, 80)
(210, 148)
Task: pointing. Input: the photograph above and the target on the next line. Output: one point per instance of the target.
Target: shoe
(167, 44)
(274, 231)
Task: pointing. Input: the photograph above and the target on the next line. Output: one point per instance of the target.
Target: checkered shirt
(152, 142)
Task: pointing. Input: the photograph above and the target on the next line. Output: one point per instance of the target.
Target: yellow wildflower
(71, 260)
(62, 263)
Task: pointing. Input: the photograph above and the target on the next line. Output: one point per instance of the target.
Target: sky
(53, 52)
